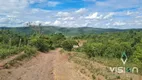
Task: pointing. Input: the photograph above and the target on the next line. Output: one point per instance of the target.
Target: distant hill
(65, 31)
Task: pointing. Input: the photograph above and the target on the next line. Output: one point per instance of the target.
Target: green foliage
(41, 43)
(6, 52)
(11, 43)
(57, 39)
(112, 44)
(68, 44)
(29, 52)
(67, 31)
(12, 39)
(118, 77)
(137, 57)
(93, 49)
(108, 45)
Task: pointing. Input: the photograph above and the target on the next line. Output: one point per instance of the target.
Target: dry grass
(98, 67)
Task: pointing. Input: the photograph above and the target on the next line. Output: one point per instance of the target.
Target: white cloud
(63, 14)
(128, 13)
(139, 17)
(17, 12)
(94, 16)
(117, 4)
(10, 21)
(119, 23)
(81, 10)
(52, 3)
(44, 3)
(4, 20)
(11, 16)
(109, 15)
(47, 23)
(10, 5)
(57, 23)
(68, 18)
(37, 1)
(107, 24)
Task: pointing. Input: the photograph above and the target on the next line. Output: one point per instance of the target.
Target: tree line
(112, 45)
(12, 43)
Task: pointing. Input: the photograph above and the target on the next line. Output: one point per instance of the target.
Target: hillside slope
(66, 31)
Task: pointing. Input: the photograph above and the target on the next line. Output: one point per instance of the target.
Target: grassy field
(98, 67)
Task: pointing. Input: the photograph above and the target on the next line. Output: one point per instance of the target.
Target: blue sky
(72, 13)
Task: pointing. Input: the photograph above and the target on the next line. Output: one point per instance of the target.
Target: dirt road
(46, 66)
(55, 66)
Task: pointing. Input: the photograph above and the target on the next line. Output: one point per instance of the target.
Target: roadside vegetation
(105, 48)
(12, 43)
(112, 45)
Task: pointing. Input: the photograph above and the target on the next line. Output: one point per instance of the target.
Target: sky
(122, 14)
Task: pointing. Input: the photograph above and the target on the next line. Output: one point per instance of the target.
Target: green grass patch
(6, 52)
(29, 52)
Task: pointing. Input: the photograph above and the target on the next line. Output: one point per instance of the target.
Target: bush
(30, 51)
(57, 39)
(6, 52)
(68, 44)
(40, 44)
(93, 49)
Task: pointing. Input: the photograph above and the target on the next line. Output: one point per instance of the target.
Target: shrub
(30, 51)
(93, 49)
(68, 44)
(40, 44)
(57, 39)
(6, 52)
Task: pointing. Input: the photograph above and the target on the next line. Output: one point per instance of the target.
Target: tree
(57, 39)
(40, 43)
(137, 56)
(68, 44)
